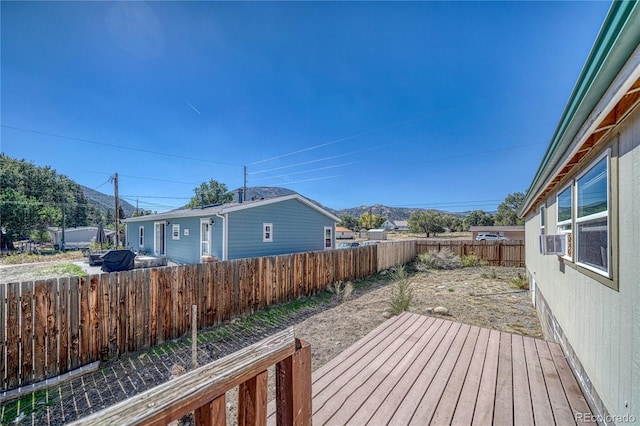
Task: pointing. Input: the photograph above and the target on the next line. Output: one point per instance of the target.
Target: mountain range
(105, 201)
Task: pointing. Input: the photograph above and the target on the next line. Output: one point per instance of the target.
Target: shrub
(444, 259)
(520, 281)
(489, 275)
(401, 291)
(342, 292)
(470, 261)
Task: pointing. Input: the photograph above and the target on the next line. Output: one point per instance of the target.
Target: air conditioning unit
(553, 244)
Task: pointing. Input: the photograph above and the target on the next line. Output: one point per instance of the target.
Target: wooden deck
(422, 370)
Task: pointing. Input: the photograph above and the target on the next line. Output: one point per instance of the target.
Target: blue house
(266, 227)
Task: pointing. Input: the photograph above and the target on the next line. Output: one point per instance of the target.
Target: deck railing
(202, 390)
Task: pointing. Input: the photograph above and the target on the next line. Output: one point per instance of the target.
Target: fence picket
(26, 332)
(40, 330)
(3, 336)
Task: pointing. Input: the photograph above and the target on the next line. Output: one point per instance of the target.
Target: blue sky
(446, 105)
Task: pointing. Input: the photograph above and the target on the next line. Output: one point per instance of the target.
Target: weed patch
(401, 291)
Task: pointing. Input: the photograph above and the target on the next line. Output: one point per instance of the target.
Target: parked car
(489, 237)
(370, 243)
(348, 245)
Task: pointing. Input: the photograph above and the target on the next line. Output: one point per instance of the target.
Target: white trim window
(564, 203)
(592, 218)
(175, 231)
(328, 237)
(543, 212)
(267, 232)
(141, 237)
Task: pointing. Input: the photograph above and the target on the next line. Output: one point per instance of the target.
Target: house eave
(616, 43)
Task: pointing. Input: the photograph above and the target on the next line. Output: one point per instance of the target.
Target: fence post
(293, 387)
(194, 336)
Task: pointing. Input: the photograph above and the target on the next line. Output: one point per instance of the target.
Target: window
(328, 237)
(141, 236)
(175, 232)
(267, 232)
(542, 220)
(565, 217)
(592, 218)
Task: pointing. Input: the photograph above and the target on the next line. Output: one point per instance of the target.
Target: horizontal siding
(186, 249)
(602, 325)
(296, 228)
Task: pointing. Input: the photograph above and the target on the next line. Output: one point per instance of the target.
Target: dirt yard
(481, 296)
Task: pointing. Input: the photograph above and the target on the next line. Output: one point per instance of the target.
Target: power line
(146, 151)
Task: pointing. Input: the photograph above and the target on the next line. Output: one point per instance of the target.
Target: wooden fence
(50, 327)
(57, 325)
(391, 253)
(495, 253)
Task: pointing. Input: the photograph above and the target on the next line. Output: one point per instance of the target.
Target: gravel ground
(481, 296)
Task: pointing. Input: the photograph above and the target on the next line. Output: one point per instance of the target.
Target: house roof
(227, 208)
(80, 228)
(587, 115)
(497, 228)
(342, 229)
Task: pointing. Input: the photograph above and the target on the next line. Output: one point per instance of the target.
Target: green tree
(509, 210)
(452, 222)
(18, 213)
(208, 193)
(33, 198)
(427, 222)
(349, 222)
(370, 221)
(478, 218)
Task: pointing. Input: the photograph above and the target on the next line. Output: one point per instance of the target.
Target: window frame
(606, 156)
(561, 224)
(141, 236)
(175, 231)
(330, 239)
(267, 232)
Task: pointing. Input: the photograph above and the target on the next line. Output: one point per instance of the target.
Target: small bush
(401, 291)
(444, 259)
(520, 281)
(470, 261)
(489, 275)
(342, 292)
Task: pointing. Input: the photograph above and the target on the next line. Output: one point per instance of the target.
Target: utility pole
(245, 183)
(115, 190)
(64, 219)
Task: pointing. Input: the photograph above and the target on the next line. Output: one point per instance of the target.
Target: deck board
(422, 370)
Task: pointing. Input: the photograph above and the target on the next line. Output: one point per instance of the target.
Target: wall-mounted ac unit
(553, 244)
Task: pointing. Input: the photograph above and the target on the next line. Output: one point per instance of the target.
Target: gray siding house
(582, 215)
(279, 225)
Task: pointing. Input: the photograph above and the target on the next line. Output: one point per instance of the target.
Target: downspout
(224, 235)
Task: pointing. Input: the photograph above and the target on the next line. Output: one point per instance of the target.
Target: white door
(205, 238)
(159, 239)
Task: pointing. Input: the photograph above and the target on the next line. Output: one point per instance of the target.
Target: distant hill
(392, 213)
(104, 202)
(258, 192)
